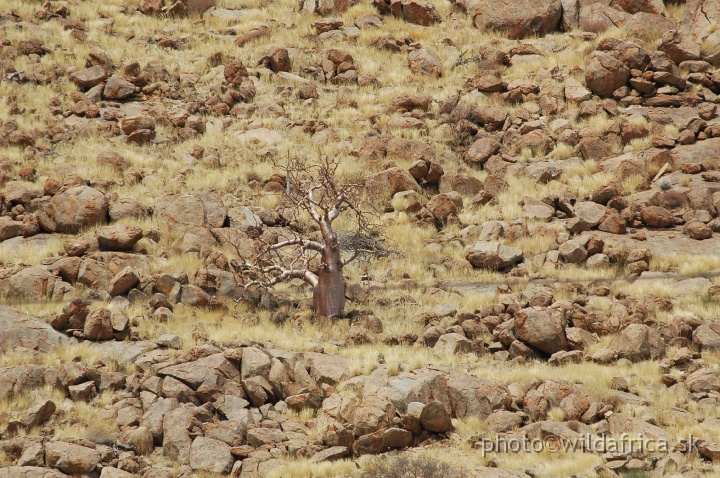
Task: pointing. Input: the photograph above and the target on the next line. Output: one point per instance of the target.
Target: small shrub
(409, 467)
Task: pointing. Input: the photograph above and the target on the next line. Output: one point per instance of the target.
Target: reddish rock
(604, 74)
(118, 89)
(698, 230)
(235, 72)
(656, 216)
(424, 61)
(76, 208)
(517, 18)
(89, 77)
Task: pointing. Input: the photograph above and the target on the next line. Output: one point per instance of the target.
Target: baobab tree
(314, 193)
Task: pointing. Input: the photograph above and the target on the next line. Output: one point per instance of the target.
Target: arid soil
(544, 182)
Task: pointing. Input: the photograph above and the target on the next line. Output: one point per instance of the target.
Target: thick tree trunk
(329, 293)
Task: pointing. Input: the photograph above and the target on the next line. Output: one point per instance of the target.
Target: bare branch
(304, 243)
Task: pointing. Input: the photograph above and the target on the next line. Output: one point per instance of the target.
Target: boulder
(31, 283)
(416, 12)
(10, 228)
(698, 230)
(117, 88)
(207, 454)
(656, 216)
(461, 183)
(204, 209)
(118, 237)
(517, 18)
(481, 150)
(707, 336)
(435, 418)
(451, 344)
(98, 325)
(543, 329)
(20, 331)
(395, 180)
(30, 472)
(621, 424)
(699, 26)
(638, 342)
(604, 73)
(442, 207)
(424, 61)
(70, 458)
(588, 215)
(75, 208)
(493, 256)
(89, 77)
(123, 281)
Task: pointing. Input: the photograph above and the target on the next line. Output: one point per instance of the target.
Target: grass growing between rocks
(325, 469)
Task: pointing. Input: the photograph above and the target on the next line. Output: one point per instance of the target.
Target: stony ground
(546, 177)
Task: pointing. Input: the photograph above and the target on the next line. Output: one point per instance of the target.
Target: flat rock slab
(124, 353)
(663, 243)
(40, 241)
(21, 331)
(30, 472)
(698, 153)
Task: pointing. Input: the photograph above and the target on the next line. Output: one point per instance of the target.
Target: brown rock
(424, 61)
(517, 18)
(118, 89)
(493, 256)
(235, 72)
(464, 184)
(89, 77)
(112, 160)
(395, 180)
(123, 281)
(543, 329)
(698, 230)
(71, 458)
(604, 74)
(442, 207)
(98, 325)
(118, 237)
(613, 224)
(131, 124)
(481, 150)
(75, 208)
(207, 454)
(435, 417)
(277, 59)
(638, 342)
(419, 13)
(9, 228)
(656, 216)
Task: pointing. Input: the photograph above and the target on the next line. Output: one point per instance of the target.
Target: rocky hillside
(545, 178)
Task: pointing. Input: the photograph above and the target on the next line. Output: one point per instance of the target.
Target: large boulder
(543, 329)
(207, 454)
(71, 458)
(200, 210)
(14, 380)
(515, 18)
(604, 73)
(621, 424)
(395, 180)
(30, 472)
(638, 342)
(20, 331)
(493, 256)
(118, 237)
(424, 61)
(699, 24)
(75, 208)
